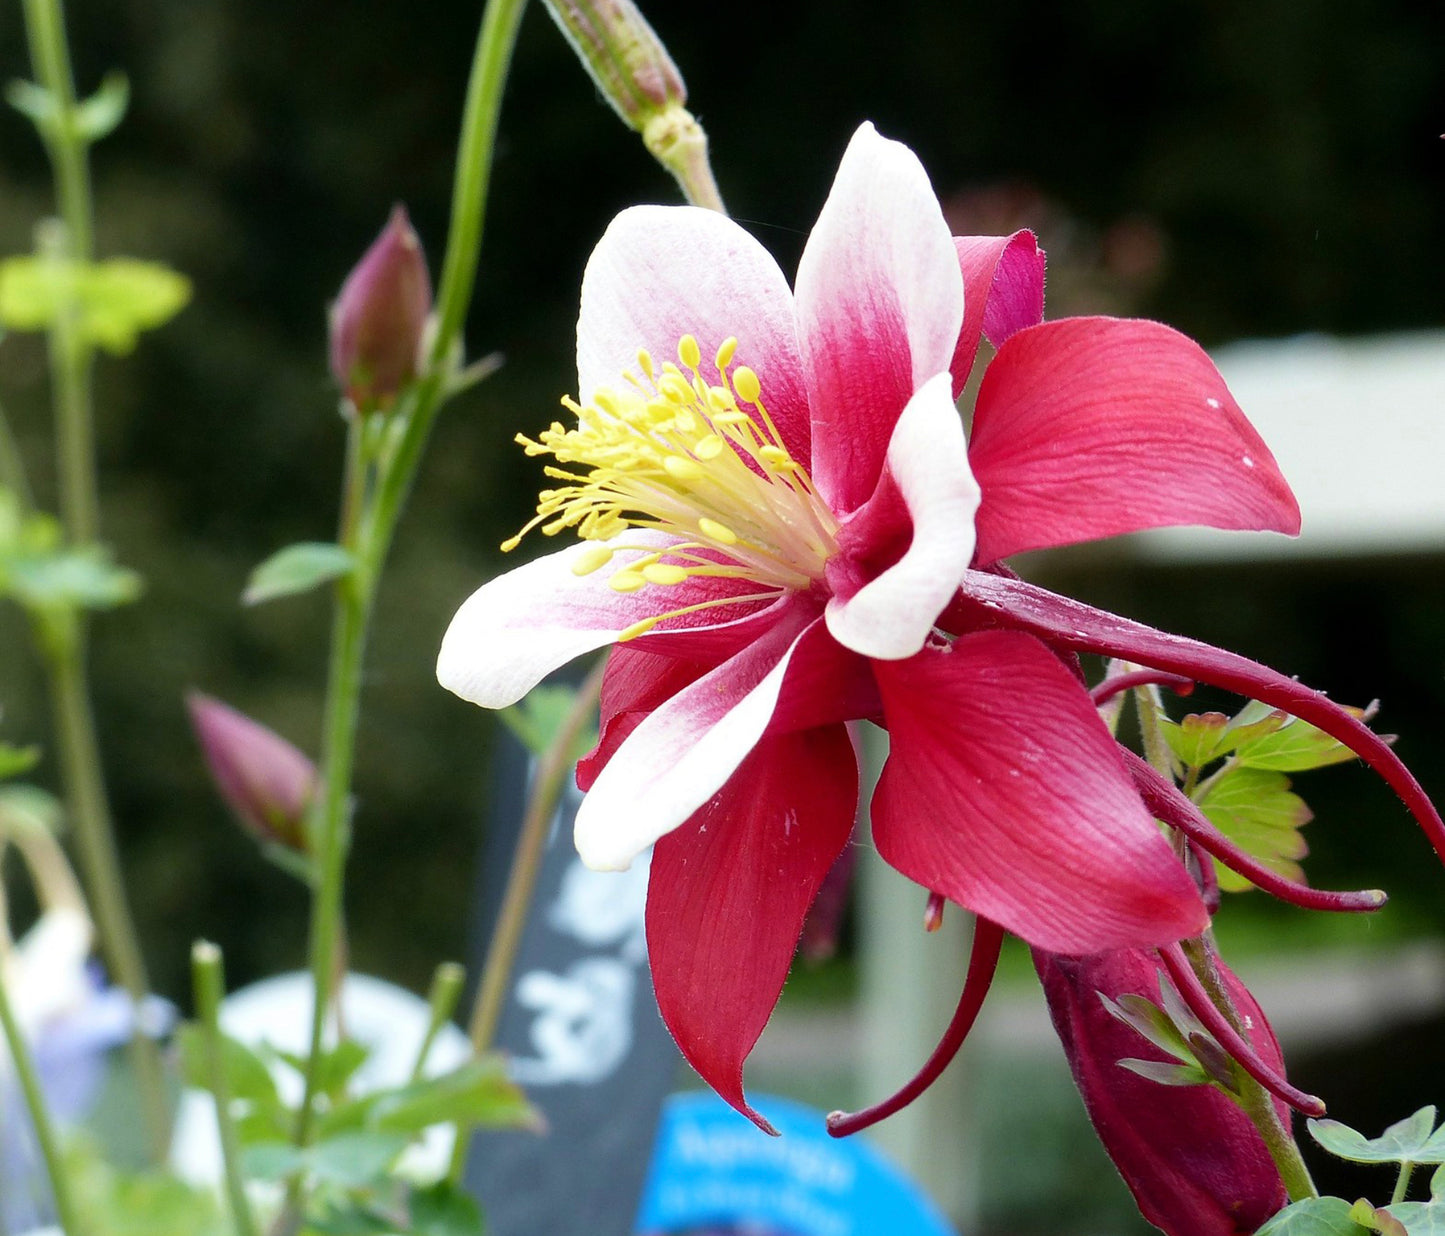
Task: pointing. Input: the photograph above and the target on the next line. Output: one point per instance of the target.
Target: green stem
(1402, 1182)
(547, 783)
(373, 528)
(12, 466)
(45, 28)
(208, 979)
(89, 813)
(446, 990)
(39, 1116)
(1254, 1100)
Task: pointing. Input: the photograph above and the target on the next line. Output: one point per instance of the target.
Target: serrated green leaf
(444, 1210)
(478, 1093)
(538, 718)
(1196, 739)
(98, 115)
(354, 1160)
(1294, 746)
(247, 1077)
(1315, 1216)
(1411, 1140)
(1256, 809)
(111, 301)
(16, 760)
(297, 568)
(1167, 1074)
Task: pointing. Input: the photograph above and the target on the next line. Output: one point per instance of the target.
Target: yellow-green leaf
(113, 301)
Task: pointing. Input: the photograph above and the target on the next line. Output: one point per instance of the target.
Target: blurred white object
(1358, 428)
(387, 1020)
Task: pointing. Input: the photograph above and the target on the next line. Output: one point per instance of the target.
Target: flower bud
(624, 56)
(378, 319)
(1194, 1162)
(267, 783)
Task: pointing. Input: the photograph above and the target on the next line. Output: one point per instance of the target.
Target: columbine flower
(266, 782)
(1193, 1161)
(783, 529)
(380, 315)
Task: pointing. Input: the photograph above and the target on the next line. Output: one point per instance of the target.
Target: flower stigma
(702, 461)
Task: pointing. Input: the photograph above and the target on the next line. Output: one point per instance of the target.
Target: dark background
(1251, 168)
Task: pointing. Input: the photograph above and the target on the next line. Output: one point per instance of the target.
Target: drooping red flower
(781, 531)
(1193, 1161)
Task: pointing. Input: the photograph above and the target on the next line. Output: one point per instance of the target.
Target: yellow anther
(606, 400)
(709, 447)
(715, 531)
(644, 362)
(681, 468)
(636, 629)
(664, 573)
(688, 352)
(626, 581)
(675, 389)
(511, 543)
(725, 352)
(746, 383)
(590, 560)
(775, 455)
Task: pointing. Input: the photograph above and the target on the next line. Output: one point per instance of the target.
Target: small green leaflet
(93, 118)
(1256, 809)
(1291, 746)
(113, 301)
(352, 1160)
(1315, 1216)
(297, 568)
(16, 760)
(444, 1210)
(1412, 1140)
(539, 717)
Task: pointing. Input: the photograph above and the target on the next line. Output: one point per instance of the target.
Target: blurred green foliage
(1282, 157)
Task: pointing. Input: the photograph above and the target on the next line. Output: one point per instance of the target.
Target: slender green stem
(45, 28)
(12, 465)
(547, 783)
(89, 814)
(209, 982)
(446, 990)
(1402, 1182)
(374, 526)
(39, 1116)
(1255, 1101)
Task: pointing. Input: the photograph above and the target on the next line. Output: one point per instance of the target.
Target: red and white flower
(785, 528)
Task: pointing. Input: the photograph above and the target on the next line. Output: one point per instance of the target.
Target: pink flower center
(698, 460)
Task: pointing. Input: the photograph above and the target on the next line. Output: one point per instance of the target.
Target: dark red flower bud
(378, 319)
(264, 780)
(1193, 1160)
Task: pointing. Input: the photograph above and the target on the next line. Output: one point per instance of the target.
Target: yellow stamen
(672, 453)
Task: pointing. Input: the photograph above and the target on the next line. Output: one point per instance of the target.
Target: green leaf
(354, 1160)
(98, 115)
(538, 718)
(478, 1093)
(1315, 1216)
(1406, 1141)
(28, 808)
(84, 577)
(1295, 746)
(32, 101)
(334, 1068)
(16, 760)
(297, 568)
(444, 1210)
(247, 1077)
(112, 301)
(1197, 739)
(1381, 1221)
(1146, 1018)
(274, 1161)
(1256, 810)
(1167, 1074)
(109, 1202)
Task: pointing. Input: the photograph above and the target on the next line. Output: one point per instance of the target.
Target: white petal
(683, 753)
(890, 616)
